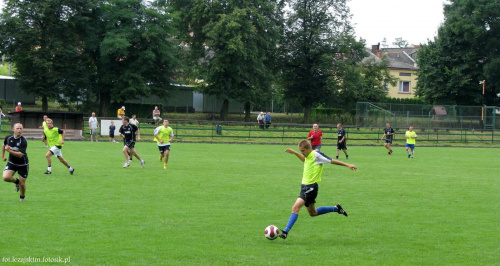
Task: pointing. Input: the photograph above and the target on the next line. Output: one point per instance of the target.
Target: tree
(38, 38)
(465, 51)
(130, 50)
(231, 45)
(319, 52)
(400, 42)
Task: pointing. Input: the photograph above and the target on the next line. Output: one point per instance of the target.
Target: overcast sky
(413, 20)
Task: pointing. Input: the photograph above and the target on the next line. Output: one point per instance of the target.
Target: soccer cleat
(164, 166)
(283, 234)
(21, 199)
(142, 163)
(126, 165)
(72, 171)
(17, 187)
(47, 172)
(409, 156)
(341, 211)
(390, 152)
(347, 157)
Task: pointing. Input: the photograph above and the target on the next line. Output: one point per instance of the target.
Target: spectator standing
(156, 115)
(134, 121)
(121, 112)
(19, 108)
(112, 129)
(260, 120)
(268, 119)
(94, 127)
(315, 136)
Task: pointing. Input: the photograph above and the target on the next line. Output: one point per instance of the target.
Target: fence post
(283, 135)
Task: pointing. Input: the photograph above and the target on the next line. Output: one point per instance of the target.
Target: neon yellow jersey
(54, 136)
(163, 133)
(409, 134)
(313, 167)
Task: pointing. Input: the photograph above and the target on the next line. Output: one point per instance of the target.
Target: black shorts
(112, 135)
(388, 141)
(341, 146)
(316, 147)
(309, 193)
(164, 148)
(130, 144)
(21, 170)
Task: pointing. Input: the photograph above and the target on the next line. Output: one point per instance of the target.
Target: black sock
(17, 181)
(22, 197)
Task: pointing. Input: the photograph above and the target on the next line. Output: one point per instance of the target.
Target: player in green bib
(55, 139)
(411, 137)
(163, 136)
(313, 168)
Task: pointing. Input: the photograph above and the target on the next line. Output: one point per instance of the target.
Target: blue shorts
(411, 146)
(164, 148)
(316, 147)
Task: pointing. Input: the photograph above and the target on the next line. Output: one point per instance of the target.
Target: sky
(415, 21)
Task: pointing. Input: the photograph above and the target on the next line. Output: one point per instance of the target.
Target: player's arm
(63, 135)
(337, 162)
(415, 136)
(383, 136)
(3, 153)
(342, 139)
(299, 155)
(171, 137)
(138, 134)
(17, 154)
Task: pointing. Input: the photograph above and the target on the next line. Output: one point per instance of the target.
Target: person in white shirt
(94, 126)
(134, 121)
(156, 115)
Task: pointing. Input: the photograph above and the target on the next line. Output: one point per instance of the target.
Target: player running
(163, 136)
(388, 135)
(313, 168)
(55, 139)
(127, 132)
(16, 145)
(411, 137)
(341, 141)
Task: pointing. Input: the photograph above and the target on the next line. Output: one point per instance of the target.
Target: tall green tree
(465, 51)
(231, 45)
(130, 48)
(319, 52)
(39, 38)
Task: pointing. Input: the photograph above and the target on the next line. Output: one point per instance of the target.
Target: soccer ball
(271, 232)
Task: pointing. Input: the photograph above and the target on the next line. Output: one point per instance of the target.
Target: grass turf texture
(212, 204)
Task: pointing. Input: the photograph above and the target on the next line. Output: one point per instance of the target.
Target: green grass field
(211, 207)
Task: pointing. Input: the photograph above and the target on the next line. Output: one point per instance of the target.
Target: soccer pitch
(212, 204)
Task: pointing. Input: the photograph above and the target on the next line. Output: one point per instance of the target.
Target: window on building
(404, 87)
(404, 74)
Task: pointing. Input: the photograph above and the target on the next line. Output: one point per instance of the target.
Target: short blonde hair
(305, 144)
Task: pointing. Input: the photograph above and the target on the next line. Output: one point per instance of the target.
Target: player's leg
(337, 154)
(48, 156)
(8, 176)
(133, 152)
(167, 154)
(22, 187)
(299, 203)
(125, 151)
(413, 151)
(345, 152)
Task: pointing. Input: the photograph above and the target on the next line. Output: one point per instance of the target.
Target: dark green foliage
(465, 51)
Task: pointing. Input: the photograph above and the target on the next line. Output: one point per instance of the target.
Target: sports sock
(336, 157)
(22, 197)
(412, 153)
(323, 210)
(291, 221)
(17, 181)
(49, 168)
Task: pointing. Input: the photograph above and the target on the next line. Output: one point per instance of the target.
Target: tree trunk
(45, 103)
(105, 99)
(224, 111)
(247, 112)
(307, 113)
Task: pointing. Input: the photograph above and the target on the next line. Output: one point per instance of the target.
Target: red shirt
(18, 109)
(316, 137)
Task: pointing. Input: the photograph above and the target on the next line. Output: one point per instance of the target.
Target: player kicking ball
(313, 168)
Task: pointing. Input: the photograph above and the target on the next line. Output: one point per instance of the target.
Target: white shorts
(56, 151)
(157, 118)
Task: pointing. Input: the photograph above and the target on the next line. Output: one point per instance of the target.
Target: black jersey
(387, 131)
(129, 132)
(340, 134)
(20, 144)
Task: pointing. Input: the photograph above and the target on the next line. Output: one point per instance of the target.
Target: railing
(276, 133)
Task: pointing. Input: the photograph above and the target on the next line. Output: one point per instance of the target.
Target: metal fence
(292, 133)
(427, 116)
